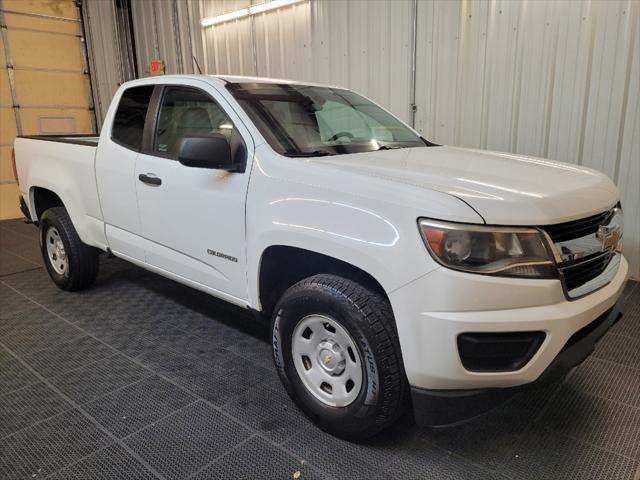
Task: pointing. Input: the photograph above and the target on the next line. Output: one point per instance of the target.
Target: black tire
(367, 317)
(82, 260)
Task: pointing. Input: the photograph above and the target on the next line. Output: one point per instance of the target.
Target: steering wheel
(335, 137)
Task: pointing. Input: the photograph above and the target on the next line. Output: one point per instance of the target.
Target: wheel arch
(281, 266)
(42, 199)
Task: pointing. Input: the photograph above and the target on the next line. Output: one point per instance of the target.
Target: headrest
(195, 118)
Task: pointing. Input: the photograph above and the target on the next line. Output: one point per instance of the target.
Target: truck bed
(64, 165)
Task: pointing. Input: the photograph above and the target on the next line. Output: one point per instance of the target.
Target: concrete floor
(140, 377)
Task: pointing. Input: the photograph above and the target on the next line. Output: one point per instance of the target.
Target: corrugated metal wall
(168, 30)
(104, 59)
(364, 45)
(558, 79)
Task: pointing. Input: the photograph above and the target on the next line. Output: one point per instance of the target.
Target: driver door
(193, 219)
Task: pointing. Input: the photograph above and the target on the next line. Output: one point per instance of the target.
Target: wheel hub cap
(327, 360)
(331, 357)
(55, 251)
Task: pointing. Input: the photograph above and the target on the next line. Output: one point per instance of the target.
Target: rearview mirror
(206, 151)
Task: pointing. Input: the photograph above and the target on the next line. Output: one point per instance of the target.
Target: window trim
(153, 117)
(150, 120)
(113, 122)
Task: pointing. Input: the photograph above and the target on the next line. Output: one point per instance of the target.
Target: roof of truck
(224, 79)
(243, 79)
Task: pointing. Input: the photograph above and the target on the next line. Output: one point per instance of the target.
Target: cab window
(187, 111)
(128, 123)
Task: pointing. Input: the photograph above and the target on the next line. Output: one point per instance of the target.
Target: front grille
(578, 274)
(585, 251)
(561, 232)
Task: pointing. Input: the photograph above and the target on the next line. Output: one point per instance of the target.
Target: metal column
(412, 63)
(85, 65)
(9, 62)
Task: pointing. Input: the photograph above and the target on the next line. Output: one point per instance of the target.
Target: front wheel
(336, 350)
(71, 264)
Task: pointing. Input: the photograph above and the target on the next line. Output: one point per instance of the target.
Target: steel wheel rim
(327, 360)
(56, 252)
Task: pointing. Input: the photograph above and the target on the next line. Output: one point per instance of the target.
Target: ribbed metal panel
(557, 79)
(281, 38)
(167, 30)
(554, 79)
(357, 43)
(365, 46)
(104, 57)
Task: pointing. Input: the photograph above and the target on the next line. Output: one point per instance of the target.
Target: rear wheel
(71, 264)
(336, 350)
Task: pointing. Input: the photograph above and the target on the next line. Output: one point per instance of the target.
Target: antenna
(197, 64)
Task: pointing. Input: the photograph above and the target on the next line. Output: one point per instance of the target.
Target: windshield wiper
(396, 147)
(315, 153)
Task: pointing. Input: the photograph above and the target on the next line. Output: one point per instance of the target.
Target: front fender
(368, 222)
(390, 250)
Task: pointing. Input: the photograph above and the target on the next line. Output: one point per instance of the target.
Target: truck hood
(505, 189)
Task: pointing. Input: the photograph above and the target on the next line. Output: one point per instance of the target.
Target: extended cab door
(120, 142)
(193, 219)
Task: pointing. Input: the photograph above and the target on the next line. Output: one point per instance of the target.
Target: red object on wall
(156, 67)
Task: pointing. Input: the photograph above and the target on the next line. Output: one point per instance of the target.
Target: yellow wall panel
(23, 21)
(45, 50)
(56, 8)
(51, 88)
(2, 62)
(31, 119)
(5, 152)
(9, 202)
(5, 91)
(39, 50)
(8, 126)
(6, 170)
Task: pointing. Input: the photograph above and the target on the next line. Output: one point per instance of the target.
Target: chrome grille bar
(587, 251)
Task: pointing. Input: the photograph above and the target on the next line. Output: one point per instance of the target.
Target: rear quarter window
(128, 123)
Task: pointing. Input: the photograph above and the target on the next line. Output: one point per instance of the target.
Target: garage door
(44, 82)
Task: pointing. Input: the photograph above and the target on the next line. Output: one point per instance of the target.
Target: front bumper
(442, 407)
(432, 311)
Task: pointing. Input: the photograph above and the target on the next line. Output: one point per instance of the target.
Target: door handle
(150, 179)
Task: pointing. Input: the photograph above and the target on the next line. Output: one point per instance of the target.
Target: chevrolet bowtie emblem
(326, 359)
(609, 238)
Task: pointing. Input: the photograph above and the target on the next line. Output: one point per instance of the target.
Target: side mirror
(206, 151)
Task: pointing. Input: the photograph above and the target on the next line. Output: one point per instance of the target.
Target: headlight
(514, 252)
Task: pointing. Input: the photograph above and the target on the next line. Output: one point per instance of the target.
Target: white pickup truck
(391, 268)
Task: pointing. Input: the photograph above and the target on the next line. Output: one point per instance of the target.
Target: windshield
(299, 120)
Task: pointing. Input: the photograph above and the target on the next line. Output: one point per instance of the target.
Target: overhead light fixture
(252, 10)
(265, 7)
(224, 18)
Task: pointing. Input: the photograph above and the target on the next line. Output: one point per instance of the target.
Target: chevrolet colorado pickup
(394, 271)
